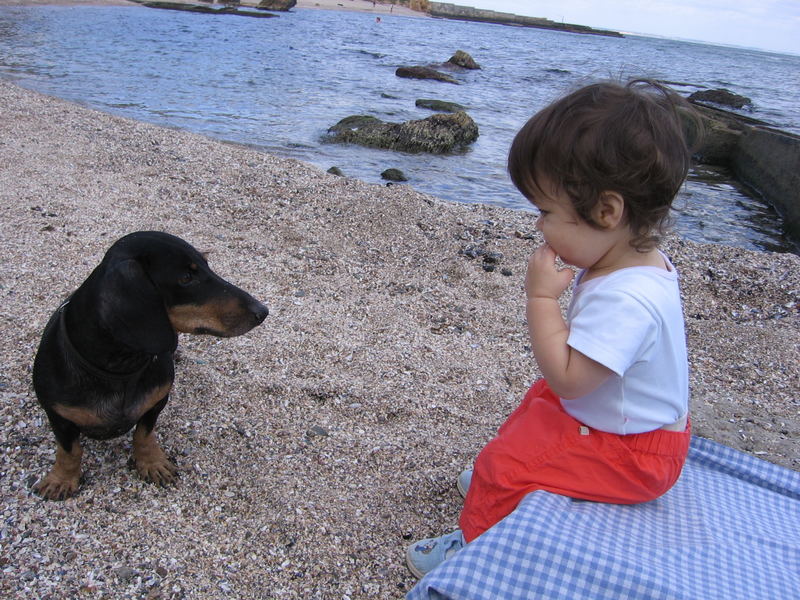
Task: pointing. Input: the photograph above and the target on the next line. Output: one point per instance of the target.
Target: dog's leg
(62, 480)
(151, 462)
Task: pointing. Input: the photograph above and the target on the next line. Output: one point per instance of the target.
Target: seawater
(278, 85)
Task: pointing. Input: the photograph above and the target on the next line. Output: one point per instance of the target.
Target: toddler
(608, 422)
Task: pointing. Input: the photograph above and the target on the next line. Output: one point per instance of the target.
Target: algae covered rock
(463, 60)
(722, 97)
(281, 5)
(438, 134)
(393, 174)
(438, 105)
(424, 73)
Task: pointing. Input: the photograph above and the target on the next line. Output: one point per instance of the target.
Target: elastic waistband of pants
(660, 441)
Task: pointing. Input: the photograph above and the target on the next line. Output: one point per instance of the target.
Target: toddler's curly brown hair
(634, 139)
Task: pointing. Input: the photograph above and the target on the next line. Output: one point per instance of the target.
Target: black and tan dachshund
(105, 362)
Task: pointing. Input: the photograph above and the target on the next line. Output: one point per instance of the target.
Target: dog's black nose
(259, 312)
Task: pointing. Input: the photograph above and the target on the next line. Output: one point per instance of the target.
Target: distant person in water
(609, 420)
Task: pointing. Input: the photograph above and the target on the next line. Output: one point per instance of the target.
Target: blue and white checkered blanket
(729, 529)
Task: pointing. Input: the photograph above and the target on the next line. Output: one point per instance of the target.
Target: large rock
(722, 131)
(722, 97)
(423, 73)
(437, 134)
(464, 60)
(762, 158)
(282, 5)
(767, 161)
(227, 8)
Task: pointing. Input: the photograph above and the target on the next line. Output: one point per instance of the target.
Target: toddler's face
(576, 241)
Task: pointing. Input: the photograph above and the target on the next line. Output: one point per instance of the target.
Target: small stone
(317, 430)
(125, 574)
(472, 251)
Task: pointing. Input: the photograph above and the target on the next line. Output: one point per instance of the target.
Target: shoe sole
(460, 487)
(414, 570)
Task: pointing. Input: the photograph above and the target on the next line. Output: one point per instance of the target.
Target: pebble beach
(313, 449)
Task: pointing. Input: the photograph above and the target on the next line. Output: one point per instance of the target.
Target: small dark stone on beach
(125, 574)
(318, 431)
(336, 171)
(492, 257)
(472, 251)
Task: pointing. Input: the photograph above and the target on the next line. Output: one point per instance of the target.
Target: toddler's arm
(569, 373)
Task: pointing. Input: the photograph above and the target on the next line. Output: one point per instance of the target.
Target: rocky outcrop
(463, 60)
(280, 5)
(722, 131)
(225, 9)
(438, 105)
(424, 73)
(438, 134)
(764, 159)
(446, 10)
(721, 97)
(767, 161)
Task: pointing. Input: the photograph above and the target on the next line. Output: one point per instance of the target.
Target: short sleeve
(614, 328)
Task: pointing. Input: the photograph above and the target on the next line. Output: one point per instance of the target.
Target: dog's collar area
(130, 377)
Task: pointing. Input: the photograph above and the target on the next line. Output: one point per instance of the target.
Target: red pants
(541, 447)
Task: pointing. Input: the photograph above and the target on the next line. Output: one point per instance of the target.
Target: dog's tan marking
(227, 317)
(62, 480)
(82, 417)
(151, 462)
(149, 400)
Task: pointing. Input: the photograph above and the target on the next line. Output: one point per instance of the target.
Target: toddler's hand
(543, 279)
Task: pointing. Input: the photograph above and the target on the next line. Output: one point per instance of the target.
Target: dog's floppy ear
(133, 310)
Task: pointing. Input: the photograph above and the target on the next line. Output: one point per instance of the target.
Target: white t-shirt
(631, 321)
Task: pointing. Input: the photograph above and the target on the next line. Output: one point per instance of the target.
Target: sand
(313, 449)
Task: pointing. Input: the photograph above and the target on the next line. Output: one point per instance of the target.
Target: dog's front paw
(55, 486)
(155, 467)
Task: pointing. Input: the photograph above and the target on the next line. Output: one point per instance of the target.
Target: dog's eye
(186, 279)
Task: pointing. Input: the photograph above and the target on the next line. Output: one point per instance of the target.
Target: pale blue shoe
(463, 481)
(425, 555)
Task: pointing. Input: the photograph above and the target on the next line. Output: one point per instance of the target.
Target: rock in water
(423, 73)
(464, 60)
(438, 134)
(281, 5)
(723, 97)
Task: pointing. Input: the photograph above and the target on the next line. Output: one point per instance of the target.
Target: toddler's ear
(610, 210)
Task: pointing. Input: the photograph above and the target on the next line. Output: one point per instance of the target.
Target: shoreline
(312, 449)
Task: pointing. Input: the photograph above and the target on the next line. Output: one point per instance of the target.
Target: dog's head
(155, 284)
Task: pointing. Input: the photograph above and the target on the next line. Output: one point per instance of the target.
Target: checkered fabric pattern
(729, 529)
